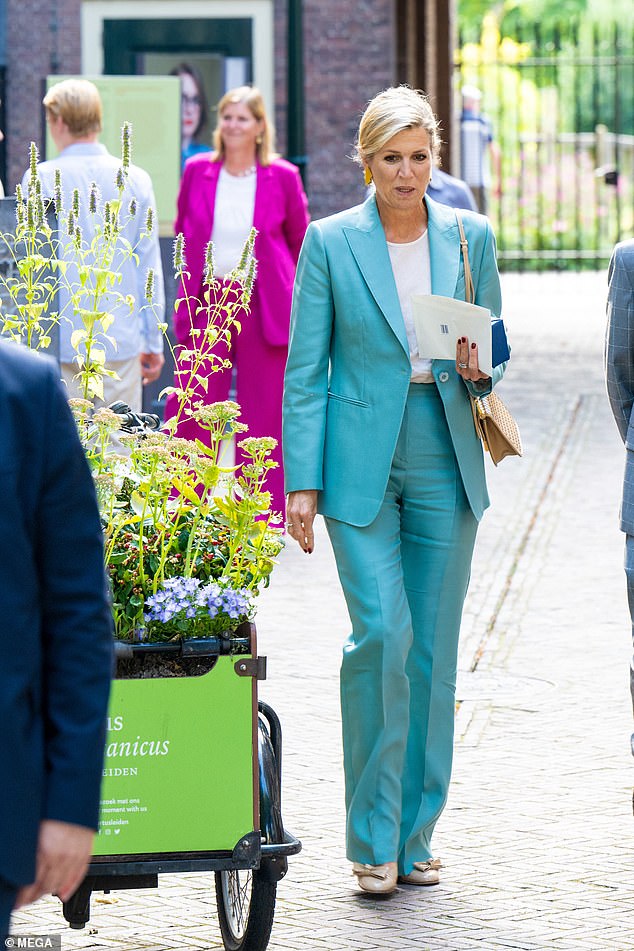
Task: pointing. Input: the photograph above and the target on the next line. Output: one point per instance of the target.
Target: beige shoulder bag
(494, 424)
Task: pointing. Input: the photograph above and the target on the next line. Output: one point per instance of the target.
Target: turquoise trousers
(405, 578)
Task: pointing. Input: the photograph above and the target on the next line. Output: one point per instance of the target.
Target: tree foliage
(515, 17)
(557, 83)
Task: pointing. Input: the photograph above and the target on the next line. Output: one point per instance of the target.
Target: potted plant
(189, 540)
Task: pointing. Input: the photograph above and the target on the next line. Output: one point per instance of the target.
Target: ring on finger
(463, 366)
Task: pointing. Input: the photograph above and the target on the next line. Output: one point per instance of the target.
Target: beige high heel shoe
(377, 879)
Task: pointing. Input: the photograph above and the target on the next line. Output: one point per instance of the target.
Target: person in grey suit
(619, 371)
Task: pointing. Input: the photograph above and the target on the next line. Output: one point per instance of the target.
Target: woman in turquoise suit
(380, 440)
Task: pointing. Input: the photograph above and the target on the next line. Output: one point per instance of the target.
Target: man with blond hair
(133, 343)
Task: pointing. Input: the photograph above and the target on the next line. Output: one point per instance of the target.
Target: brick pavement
(537, 835)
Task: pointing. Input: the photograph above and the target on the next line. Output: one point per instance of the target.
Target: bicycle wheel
(246, 905)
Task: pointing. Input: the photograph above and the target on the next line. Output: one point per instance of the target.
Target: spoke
(238, 899)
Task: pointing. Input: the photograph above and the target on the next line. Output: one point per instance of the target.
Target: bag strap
(469, 292)
(469, 296)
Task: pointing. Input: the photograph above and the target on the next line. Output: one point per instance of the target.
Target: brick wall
(43, 37)
(280, 20)
(348, 57)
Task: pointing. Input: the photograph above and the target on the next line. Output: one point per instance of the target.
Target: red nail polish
(473, 346)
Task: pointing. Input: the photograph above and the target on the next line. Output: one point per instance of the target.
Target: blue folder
(500, 350)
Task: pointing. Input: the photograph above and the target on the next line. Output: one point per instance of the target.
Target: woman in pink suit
(244, 184)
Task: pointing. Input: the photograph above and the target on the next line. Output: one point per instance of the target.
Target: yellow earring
(367, 175)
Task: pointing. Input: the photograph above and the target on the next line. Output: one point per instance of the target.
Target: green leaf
(138, 503)
(77, 337)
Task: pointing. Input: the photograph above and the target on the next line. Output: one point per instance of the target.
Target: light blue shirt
(134, 330)
(194, 148)
(475, 136)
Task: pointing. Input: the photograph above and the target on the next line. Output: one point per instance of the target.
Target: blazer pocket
(347, 399)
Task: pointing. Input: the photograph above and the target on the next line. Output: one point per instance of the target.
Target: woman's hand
(467, 361)
(301, 508)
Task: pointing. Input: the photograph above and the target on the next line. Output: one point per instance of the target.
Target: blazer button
(443, 377)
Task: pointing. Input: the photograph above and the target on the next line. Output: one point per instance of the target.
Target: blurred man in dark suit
(55, 638)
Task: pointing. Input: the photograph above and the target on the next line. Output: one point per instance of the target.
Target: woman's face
(239, 127)
(402, 169)
(190, 107)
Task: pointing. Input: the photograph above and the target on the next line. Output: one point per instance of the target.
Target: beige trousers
(128, 387)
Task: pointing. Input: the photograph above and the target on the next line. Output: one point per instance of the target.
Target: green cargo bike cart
(192, 783)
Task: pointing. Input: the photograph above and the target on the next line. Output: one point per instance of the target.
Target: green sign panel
(152, 104)
(178, 771)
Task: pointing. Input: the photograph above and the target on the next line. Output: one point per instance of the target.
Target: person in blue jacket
(449, 190)
(380, 440)
(55, 641)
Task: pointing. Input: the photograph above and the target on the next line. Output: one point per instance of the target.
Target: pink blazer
(281, 219)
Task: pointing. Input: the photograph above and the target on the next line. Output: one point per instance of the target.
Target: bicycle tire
(246, 907)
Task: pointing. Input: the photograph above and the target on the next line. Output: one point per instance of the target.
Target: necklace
(247, 171)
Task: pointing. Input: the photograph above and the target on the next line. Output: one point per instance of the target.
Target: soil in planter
(162, 665)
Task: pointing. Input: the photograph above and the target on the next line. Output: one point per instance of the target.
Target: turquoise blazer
(348, 370)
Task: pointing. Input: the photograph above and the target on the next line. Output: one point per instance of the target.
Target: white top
(412, 273)
(233, 218)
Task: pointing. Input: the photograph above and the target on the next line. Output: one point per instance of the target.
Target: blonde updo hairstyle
(252, 98)
(392, 111)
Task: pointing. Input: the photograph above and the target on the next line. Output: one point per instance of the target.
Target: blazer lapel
(444, 248)
(207, 199)
(369, 248)
(262, 190)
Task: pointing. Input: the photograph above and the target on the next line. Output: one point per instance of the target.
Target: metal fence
(561, 106)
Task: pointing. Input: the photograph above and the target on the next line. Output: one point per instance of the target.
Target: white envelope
(439, 321)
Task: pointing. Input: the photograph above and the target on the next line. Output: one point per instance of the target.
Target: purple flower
(185, 598)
